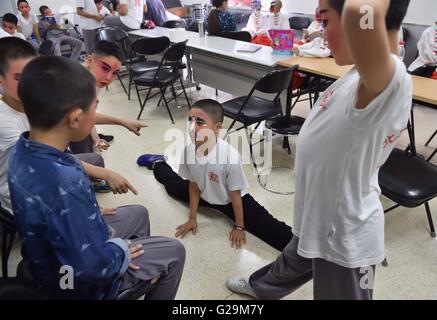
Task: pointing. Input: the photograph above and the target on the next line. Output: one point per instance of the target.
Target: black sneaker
(107, 138)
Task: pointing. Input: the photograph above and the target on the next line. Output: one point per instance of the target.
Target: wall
(419, 12)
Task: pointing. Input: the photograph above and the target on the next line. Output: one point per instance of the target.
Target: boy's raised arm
(369, 45)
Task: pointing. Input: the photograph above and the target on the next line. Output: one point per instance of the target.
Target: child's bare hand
(108, 211)
(237, 238)
(134, 126)
(183, 229)
(102, 145)
(135, 251)
(118, 183)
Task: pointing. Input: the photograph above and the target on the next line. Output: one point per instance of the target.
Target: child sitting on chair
(257, 25)
(277, 20)
(213, 176)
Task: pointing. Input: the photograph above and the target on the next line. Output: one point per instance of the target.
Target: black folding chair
(172, 24)
(163, 78)
(145, 47)
(251, 109)
(409, 180)
(8, 232)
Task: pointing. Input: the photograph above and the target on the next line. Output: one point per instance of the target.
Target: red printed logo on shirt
(213, 177)
(391, 139)
(325, 99)
(138, 3)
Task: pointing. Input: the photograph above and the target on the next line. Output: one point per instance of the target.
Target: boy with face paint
(348, 136)
(104, 63)
(211, 175)
(15, 54)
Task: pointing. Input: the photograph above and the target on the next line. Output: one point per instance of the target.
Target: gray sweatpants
(163, 257)
(60, 39)
(115, 21)
(330, 281)
(91, 158)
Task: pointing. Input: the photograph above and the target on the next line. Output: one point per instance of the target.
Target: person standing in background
(131, 15)
(90, 22)
(156, 12)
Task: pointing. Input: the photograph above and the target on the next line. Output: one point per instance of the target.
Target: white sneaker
(240, 285)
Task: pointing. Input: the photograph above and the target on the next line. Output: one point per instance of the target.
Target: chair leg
(130, 85)
(432, 155)
(430, 139)
(384, 263)
(142, 104)
(163, 90)
(229, 129)
(185, 93)
(122, 84)
(173, 92)
(6, 250)
(431, 223)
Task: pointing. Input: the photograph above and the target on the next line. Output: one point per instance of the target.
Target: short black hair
(395, 15)
(11, 18)
(212, 108)
(106, 49)
(51, 86)
(13, 48)
(97, 1)
(217, 3)
(42, 9)
(20, 1)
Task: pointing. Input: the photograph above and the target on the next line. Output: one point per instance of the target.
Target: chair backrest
(276, 81)
(412, 34)
(118, 36)
(150, 46)
(425, 71)
(299, 23)
(235, 35)
(175, 53)
(171, 24)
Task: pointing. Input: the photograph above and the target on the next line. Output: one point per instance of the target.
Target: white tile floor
(412, 253)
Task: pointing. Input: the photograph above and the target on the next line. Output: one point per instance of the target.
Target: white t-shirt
(13, 124)
(427, 47)
(26, 24)
(216, 174)
(90, 7)
(315, 26)
(3, 33)
(257, 24)
(338, 215)
(135, 13)
(278, 22)
(19, 35)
